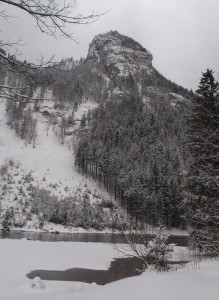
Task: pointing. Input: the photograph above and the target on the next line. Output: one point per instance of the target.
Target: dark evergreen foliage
(72, 86)
(202, 185)
(20, 118)
(76, 211)
(128, 42)
(137, 153)
(157, 80)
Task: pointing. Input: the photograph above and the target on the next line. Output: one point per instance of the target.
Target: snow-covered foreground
(18, 257)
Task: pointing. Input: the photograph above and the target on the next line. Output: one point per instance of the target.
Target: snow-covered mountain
(119, 55)
(39, 182)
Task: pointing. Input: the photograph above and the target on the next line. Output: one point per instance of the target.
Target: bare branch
(15, 67)
(9, 44)
(50, 17)
(13, 93)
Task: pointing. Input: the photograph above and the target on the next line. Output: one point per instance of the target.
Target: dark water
(120, 268)
(82, 237)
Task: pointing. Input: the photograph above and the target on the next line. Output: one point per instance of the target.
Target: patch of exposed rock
(119, 55)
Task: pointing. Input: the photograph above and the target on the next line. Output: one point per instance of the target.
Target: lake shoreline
(89, 237)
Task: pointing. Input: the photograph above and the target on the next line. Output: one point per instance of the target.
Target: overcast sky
(182, 35)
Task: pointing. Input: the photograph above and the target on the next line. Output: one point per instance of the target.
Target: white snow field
(18, 257)
(49, 161)
(50, 164)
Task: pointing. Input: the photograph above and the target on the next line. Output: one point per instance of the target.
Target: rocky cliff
(119, 55)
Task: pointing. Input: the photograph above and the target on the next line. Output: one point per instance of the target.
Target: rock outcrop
(119, 55)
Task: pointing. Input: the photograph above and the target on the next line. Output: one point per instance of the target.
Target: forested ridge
(201, 180)
(137, 151)
(135, 142)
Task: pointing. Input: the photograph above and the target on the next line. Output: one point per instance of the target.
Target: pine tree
(202, 181)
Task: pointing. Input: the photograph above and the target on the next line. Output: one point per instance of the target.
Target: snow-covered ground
(18, 257)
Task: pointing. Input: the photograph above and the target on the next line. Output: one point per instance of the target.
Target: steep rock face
(119, 55)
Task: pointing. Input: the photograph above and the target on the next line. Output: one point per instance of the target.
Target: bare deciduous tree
(151, 250)
(51, 17)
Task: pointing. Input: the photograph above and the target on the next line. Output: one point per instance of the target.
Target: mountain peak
(120, 40)
(119, 55)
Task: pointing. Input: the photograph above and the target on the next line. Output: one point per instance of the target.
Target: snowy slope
(50, 163)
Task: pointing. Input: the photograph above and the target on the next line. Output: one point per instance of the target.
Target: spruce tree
(202, 180)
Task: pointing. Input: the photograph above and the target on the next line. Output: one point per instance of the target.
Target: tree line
(137, 152)
(160, 160)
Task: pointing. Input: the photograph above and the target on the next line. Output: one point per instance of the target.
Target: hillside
(135, 144)
(43, 173)
(106, 131)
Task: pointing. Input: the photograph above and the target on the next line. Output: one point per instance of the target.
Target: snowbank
(18, 257)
